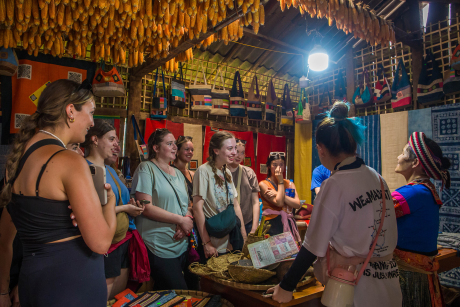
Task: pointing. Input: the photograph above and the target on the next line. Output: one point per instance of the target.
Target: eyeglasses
(242, 141)
(85, 85)
(181, 137)
(277, 153)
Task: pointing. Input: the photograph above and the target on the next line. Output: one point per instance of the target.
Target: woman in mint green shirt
(167, 219)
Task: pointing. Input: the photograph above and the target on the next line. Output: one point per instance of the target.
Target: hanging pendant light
(318, 59)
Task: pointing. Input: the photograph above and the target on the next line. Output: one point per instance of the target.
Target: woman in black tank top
(62, 265)
(183, 157)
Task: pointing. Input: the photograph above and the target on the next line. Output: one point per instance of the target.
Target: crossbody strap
(225, 179)
(238, 187)
(120, 201)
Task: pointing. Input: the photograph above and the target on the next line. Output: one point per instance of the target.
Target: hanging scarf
(430, 163)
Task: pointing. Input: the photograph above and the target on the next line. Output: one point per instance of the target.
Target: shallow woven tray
(188, 294)
(249, 274)
(263, 287)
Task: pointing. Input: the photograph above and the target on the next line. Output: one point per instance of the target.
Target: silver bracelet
(4, 293)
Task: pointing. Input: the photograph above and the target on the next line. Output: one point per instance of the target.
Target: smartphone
(144, 202)
(99, 179)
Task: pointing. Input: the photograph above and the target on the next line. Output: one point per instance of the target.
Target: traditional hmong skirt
(415, 289)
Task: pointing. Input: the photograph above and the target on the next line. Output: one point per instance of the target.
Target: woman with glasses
(183, 157)
(277, 206)
(62, 265)
(417, 207)
(247, 187)
(167, 219)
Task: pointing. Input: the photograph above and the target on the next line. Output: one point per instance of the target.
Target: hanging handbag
(254, 106)
(8, 62)
(221, 224)
(381, 89)
(220, 98)
(303, 113)
(319, 111)
(271, 102)
(108, 84)
(452, 82)
(122, 217)
(201, 94)
(141, 148)
(362, 96)
(159, 104)
(340, 91)
(430, 89)
(178, 90)
(455, 60)
(287, 115)
(401, 94)
(237, 101)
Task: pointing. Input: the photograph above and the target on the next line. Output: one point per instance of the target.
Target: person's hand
(133, 202)
(186, 224)
(279, 174)
(270, 193)
(210, 250)
(133, 210)
(14, 296)
(280, 295)
(5, 301)
(110, 195)
(72, 217)
(180, 233)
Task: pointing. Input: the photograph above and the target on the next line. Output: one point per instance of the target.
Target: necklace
(49, 133)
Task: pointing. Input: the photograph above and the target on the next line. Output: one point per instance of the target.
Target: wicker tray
(187, 294)
(263, 287)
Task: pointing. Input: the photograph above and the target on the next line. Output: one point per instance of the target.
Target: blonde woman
(213, 193)
(183, 157)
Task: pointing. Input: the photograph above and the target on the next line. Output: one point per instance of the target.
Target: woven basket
(220, 264)
(199, 269)
(251, 239)
(249, 275)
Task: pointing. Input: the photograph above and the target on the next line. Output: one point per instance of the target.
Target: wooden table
(309, 295)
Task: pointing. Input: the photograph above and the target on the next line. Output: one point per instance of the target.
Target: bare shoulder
(71, 160)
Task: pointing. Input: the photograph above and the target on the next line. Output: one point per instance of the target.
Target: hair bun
(339, 110)
(445, 163)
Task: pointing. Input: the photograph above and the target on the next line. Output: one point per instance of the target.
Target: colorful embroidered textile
(420, 120)
(369, 151)
(417, 210)
(413, 262)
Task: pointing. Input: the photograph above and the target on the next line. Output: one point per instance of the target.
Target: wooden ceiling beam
(442, 1)
(272, 41)
(151, 64)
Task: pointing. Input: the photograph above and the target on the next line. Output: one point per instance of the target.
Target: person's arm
(161, 215)
(7, 234)
(255, 211)
(209, 249)
(400, 204)
(97, 223)
(275, 198)
(133, 208)
(293, 202)
(317, 190)
(239, 214)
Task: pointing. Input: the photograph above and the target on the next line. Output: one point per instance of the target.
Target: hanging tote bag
(362, 96)
(159, 104)
(108, 84)
(254, 105)
(319, 111)
(220, 98)
(452, 82)
(178, 90)
(237, 101)
(287, 116)
(381, 89)
(272, 101)
(430, 88)
(340, 91)
(303, 113)
(401, 94)
(455, 60)
(8, 62)
(201, 94)
(141, 147)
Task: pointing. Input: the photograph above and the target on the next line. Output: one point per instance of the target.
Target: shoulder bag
(340, 91)
(271, 102)
(287, 115)
(108, 84)
(178, 90)
(363, 97)
(324, 104)
(201, 94)
(141, 148)
(159, 104)
(452, 82)
(220, 98)
(221, 224)
(254, 105)
(237, 101)
(122, 217)
(8, 62)
(430, 89)
(401, 93)
(303, 112)
(381, 89)
(455, 61)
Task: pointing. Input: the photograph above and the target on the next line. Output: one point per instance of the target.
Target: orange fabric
(102, 77)
(27, 88)
(267, 205)
(428, 264)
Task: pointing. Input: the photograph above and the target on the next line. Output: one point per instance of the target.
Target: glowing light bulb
(318, 60)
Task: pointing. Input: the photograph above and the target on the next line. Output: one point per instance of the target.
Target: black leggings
(171, 273)
(62, 274)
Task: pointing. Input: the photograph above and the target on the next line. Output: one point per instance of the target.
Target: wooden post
(350, 71)
(415, 24)
(134, 108)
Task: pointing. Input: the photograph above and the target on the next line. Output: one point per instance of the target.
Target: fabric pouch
(254, 106)
(270, 104)
(401, 93)
(201, 94)
(108, 84)
(178, 90)
(220, 98)
(237, 101)
(159, 104)
(381, 89)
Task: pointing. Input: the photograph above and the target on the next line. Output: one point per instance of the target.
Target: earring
(72, 120)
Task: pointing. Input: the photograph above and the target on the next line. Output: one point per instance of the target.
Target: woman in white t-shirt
(211, 196)
(346, 216)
